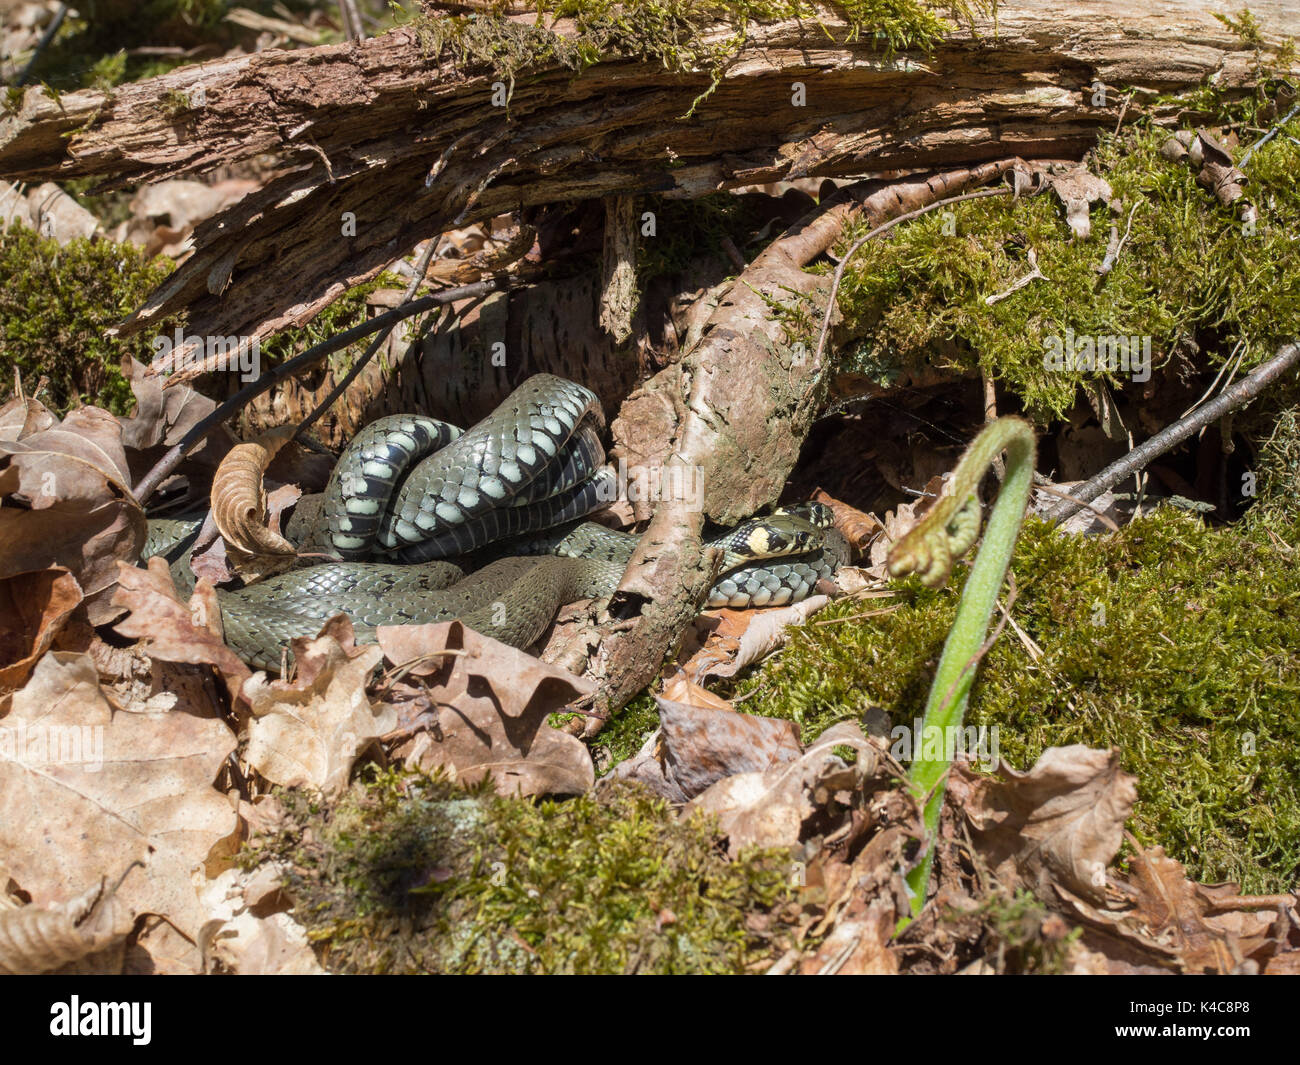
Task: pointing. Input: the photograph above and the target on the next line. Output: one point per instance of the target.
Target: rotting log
(366, 125)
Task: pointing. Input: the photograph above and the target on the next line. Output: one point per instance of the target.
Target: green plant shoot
(947, 531)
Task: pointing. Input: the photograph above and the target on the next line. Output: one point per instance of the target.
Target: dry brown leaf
(769, 808)
(1077, 190)
(84, 935)
(492, 704)
(67, 502)
(859, 527)
(236, 939)
(858, 944)
(1285, 964)
(1181, 915)
(100, 789)
(162, 416)
(172, 630)
(679, 689)
(33, 607)
(310, 731)
(22, 416)
(1059, 824)
(696, 746)
(766, 633)
(239, 500)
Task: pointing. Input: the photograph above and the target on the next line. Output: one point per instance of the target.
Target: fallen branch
(1225, 402)
(151, 480)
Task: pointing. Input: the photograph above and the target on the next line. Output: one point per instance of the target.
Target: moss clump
(1190, 277)
(55, 304)
(675, 33)
(99, 46)
(408, 874)
(1023, 936)
(626, 732)
(1175, 643)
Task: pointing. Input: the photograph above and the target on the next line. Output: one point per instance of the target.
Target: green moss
(1189, 277)
(408, 874)
(1177, 644)
(686, 230)
(1023, 936)
(100, 46)
(626, 731)
(671, 32)
(55, 304)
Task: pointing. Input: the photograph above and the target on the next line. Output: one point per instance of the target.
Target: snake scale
(410, 492)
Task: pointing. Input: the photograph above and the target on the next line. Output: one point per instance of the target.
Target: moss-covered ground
(410, 874)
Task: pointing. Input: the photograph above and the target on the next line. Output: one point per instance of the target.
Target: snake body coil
(410, 491)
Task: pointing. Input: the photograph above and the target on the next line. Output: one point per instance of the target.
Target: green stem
(929, 550)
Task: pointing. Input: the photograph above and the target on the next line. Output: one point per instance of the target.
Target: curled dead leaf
(174, 631)
(22, 417)
(857, 526)
(769, 808)
(1077, 190)
(1060, 823)
(310, 731)
(696, 746)
(239, 500)
(78, 935)
(33, 607)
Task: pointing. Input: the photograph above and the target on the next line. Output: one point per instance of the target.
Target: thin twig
(151, 480)
(352, 27)
(42, 44)
(421, 268)
(1228, 400)
(1112, 251)
(1241, 163)
(884, 227)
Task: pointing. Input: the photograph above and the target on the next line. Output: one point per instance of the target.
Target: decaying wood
(385, 145)
(727, 422)
(363, 126)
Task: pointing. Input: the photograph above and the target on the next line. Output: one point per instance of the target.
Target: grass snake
(410, 492)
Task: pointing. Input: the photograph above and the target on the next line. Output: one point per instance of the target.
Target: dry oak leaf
(1183, 919)
(696, 746)
(172, 630)
(33, 607)
(310, 731)
(492, 705)
(236, 939)
(860, 528)
(1060, 823)
(765, 634)
(65, 500)
(679, 689)
(88, 790)
(768, 809)
(858, 944)
(86, 934)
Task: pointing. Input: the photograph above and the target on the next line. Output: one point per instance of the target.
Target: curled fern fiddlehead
(946, 532)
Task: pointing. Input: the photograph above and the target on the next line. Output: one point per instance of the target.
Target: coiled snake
(409, 492)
